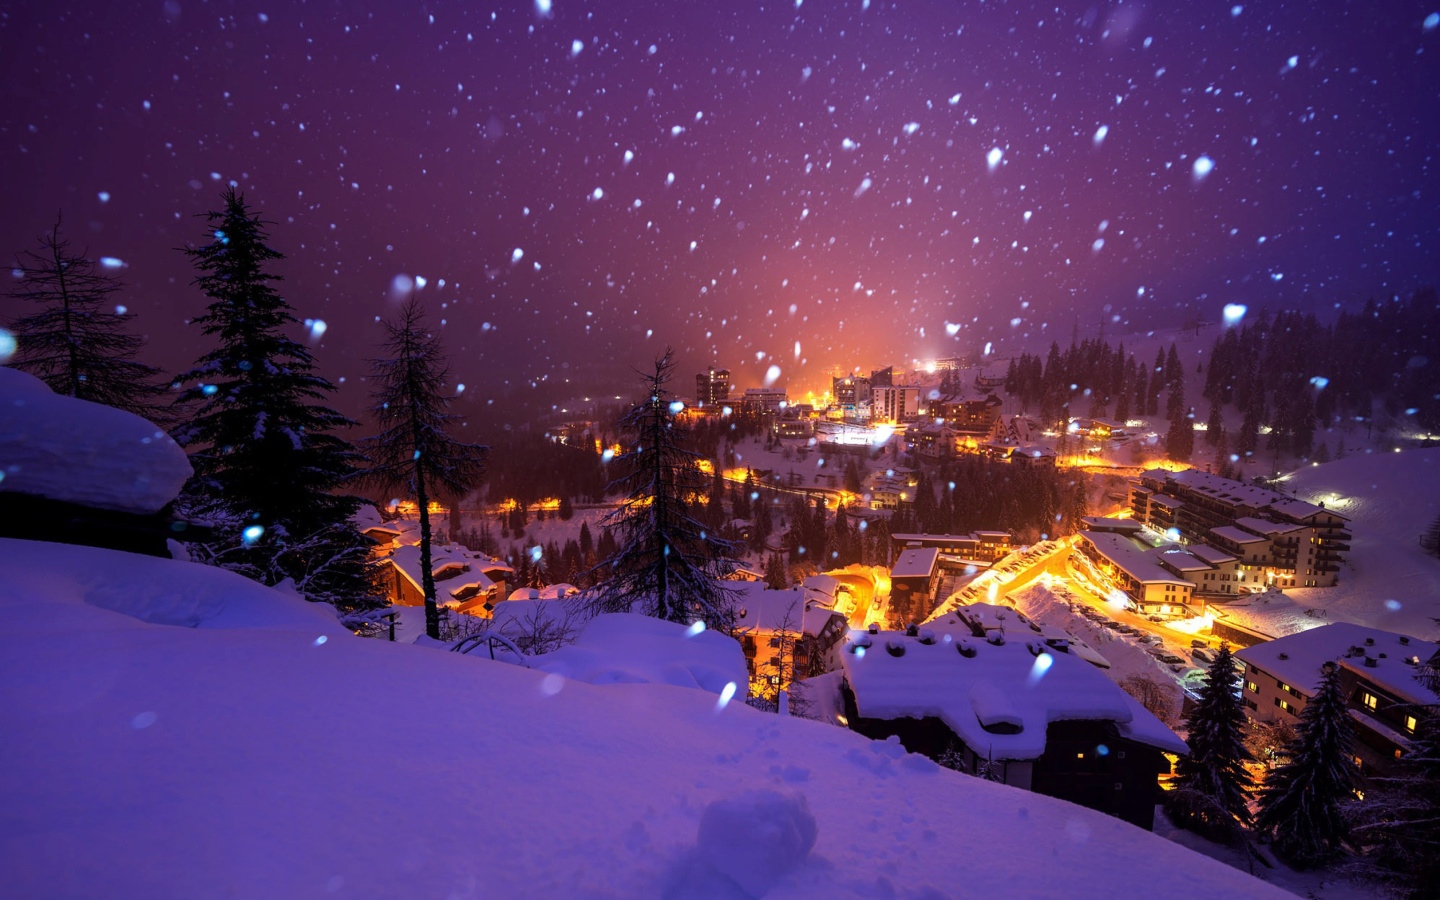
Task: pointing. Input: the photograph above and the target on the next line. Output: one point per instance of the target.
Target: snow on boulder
(81, 452)
(755, 838)
(629, 648)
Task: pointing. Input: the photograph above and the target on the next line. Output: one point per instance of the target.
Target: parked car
(1152, 639)
(1127, 629)
(1156, 618)
(1201, 656)
(1199, 644)
(1110, 624)
(1170, 659)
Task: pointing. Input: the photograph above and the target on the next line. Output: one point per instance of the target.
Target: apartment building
(1291, 543)
(1379, 677)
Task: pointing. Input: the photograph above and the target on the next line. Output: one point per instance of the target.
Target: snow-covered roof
(1299, 509)
(1267, 527)
(1132, 558)
(1304, 654)
(1103, 523)
(917, 563)
(1179, 558)
(760, 609)
(81, 452)
(1166, 501)
(1208, 554)
(988, 616)
(625, 648)
(483, 570)
(825, 584)
(1004, 686)
(1238, 535)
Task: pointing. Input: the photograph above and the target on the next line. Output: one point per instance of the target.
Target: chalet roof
(761, 610)
(1102, 523)
(970, 684)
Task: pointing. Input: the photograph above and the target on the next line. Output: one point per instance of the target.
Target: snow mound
(151, 589)
(82, 452)
(756, 838)
(625, 648)
(266, 763)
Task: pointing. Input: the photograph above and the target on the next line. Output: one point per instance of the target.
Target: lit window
(1410, 725)
(1252, 687)
(1369, 700)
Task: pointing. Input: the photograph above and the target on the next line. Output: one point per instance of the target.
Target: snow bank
(82, 452)
(625, 648)
(154, 590)
(146, 761)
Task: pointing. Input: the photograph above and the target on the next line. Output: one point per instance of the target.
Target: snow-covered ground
(1390, 498)
(289, 758)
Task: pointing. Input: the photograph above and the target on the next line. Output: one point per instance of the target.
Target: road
(1059, 567)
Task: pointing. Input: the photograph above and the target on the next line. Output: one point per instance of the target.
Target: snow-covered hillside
(1390, 498)
(153, 760)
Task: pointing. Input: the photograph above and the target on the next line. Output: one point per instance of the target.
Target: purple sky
(830, 158)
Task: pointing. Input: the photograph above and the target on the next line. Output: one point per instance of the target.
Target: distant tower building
(712, 388)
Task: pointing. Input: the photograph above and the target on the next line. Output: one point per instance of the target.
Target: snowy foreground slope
(153, 760)
(1390, 499)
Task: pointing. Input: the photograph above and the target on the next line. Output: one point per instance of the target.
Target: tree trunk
(427, 576)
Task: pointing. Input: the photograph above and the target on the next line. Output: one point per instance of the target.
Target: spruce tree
(1211, 784)
(668, 564)
(1397, 824)
(75, 340)
(413, 451)
(1301, 802)
(270, 464)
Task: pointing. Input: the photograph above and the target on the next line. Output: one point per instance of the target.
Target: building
(1153, 588)
(850, 392)
(712, 389)
(914, 580)
(894, 404)
(977, 546)
(1378, 672)
(1019, 454)
(465, 580)
(763, 401)
(977, 705)
(786, 635)
(972, 417)
(1303, 545)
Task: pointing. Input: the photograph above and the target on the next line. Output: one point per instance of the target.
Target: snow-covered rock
(82, 452)
(756, 838)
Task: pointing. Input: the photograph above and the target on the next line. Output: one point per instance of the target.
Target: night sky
(861, 183)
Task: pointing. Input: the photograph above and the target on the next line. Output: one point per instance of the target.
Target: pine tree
(1210, 783)
(269, 462)
(1397, 824)
(413, 451)
(667, 564)
(1301, 802)
(71, 343)
(775, 575)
